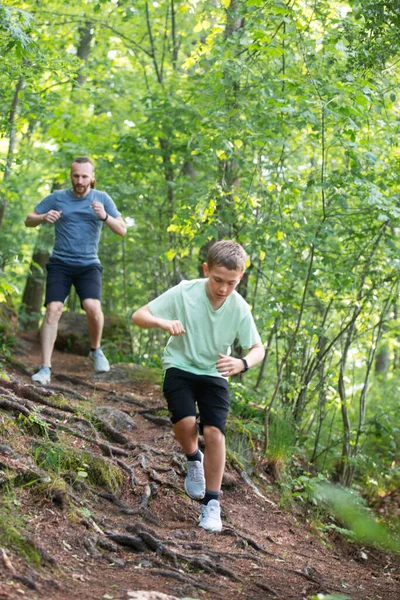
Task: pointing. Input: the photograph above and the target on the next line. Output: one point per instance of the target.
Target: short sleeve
(247, 332)
(166, 305)
(109, 206)
(48, 203)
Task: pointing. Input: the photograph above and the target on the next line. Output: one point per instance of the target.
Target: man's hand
(174, 327)
(228, 365)
(52, 216)
(99, 209)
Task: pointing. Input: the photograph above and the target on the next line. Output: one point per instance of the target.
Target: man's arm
(229, 365)
(144, 318)
(116, 224)
(34, 219)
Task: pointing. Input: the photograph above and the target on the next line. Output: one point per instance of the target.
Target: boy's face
(221, 282)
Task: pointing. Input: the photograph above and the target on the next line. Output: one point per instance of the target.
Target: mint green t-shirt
(208, 331)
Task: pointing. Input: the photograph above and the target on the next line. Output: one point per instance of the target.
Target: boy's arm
(144, 318)
(229, 365)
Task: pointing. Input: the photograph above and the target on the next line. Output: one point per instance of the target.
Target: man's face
(221, 282)
(82, 175)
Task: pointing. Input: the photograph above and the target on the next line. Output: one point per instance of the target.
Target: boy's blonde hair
(228, 254)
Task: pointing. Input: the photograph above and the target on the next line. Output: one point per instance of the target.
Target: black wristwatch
(105, 219)
(246, 366)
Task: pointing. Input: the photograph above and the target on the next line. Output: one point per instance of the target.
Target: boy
(203, 317)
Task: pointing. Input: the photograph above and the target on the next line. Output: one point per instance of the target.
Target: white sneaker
(210, 517)
(101, 364)
(43, 376)
(195, 484)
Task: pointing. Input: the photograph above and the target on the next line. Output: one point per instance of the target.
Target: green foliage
(275, 124)
(350, 508)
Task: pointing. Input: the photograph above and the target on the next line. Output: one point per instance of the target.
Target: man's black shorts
(183, 390)
(61, 276)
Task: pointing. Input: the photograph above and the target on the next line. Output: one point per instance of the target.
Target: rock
(73, 335)
(127, 373)
(229, 480)
(142, 595)
(116, 418)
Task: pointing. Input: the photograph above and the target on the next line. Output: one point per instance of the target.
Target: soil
(263, 552)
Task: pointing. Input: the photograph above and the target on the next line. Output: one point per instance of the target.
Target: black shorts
(183, 390)
(61, 276)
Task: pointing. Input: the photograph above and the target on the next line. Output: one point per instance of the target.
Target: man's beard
(80, 190)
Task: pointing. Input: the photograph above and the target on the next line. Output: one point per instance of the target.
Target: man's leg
(49, 329)
(48, 334)
(95, 320)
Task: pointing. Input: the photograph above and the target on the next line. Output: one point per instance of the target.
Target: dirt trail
(263, 552)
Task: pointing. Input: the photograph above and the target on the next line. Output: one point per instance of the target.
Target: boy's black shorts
(61, 276)
(183, 390)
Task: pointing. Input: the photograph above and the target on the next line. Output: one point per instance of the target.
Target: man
(78, 215)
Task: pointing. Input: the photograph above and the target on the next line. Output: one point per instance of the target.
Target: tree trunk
(11, 145)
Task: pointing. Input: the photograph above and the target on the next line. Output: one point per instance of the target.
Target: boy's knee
(213, 435)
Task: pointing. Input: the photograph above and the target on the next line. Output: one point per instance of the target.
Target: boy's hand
(174, 327)
(228, 365)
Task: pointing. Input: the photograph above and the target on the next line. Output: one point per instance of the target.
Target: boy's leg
(214, 457)
(213, 404)
(179, 393)
(186, 434)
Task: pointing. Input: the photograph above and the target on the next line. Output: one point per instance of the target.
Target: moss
(239, 444)
(146, 374)
(8, 428)
(95, 469)
(11, 526)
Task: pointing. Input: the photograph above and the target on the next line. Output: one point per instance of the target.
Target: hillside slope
(89, 512)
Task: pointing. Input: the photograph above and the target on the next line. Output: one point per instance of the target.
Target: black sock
(211, 496)
(195, 456)
(94, 349)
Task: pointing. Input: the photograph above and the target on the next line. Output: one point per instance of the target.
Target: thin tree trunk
(11, 144)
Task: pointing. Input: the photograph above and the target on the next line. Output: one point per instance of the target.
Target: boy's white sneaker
(101, 364)
(43, 376)
(195, 484)
(210, 517)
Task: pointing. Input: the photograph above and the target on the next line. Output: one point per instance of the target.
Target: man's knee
(53, 312)
(92, 307)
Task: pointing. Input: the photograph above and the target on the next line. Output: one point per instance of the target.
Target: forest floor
(97, 543)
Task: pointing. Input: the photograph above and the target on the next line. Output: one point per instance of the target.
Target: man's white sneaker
(195, 484)
(43, 376)
(101, 364)
(210, 517)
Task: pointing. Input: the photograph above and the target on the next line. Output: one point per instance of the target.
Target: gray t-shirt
(78, 229)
